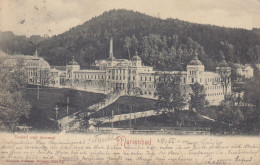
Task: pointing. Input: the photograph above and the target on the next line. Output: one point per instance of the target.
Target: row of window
(36, 74)
(216, 79)
(121, 71)
(196, 72)
(88, 83)
(142, 79)
(36, 65)
(149, 86)
(147, 93)
(214, 94)
(32, 64)
(89, 76)
(213, 87)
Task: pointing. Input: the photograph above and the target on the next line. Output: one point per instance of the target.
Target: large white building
(37, 69)
(130, 76)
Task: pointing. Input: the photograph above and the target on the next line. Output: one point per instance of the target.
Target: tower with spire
(136, 60)
(195, 71)
(70, 68)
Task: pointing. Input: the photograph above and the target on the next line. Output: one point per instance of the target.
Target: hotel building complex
(130, 76)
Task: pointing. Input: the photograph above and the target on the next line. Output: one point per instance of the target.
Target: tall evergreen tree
(170, 98)
(198, 98)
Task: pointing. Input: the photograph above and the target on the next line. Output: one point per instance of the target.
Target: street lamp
(68, 101)
(56, 109)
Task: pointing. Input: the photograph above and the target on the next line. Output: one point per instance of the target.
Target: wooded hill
(166, 44)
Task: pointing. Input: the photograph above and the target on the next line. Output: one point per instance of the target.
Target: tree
(252, 92)
(225, 75)
(12, 85)
(134, 43)
(170, 98)
(198, 98)
(229, 113)
(127, 45)
(39, 120)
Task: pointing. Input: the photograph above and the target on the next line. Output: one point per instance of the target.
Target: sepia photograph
(130, 82)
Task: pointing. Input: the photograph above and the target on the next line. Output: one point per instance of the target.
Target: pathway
(71, 123)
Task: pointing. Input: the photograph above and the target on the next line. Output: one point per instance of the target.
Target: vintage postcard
(130, 82)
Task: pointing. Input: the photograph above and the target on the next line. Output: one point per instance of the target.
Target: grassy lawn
(52, 97)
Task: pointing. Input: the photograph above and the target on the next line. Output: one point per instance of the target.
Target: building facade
(37, 69)
(130, 76)
(245, 71)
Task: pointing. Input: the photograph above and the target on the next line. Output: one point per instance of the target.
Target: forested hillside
(13, 44)
(165, 44)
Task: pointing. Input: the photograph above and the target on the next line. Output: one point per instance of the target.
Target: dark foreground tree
(230, 114)
(224, 72)
(198, 98)
(12, 85)
(252, 92)
(170, 98)
(38, 120)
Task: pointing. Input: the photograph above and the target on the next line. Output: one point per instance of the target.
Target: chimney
(111, 48)
(36, 53)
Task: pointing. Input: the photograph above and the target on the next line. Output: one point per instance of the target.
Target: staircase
(111, 98)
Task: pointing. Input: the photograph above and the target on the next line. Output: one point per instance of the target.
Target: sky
(52, 17)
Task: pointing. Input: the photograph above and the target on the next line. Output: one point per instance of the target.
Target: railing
(111, 98)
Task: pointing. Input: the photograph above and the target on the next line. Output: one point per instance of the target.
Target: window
(192, 80)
